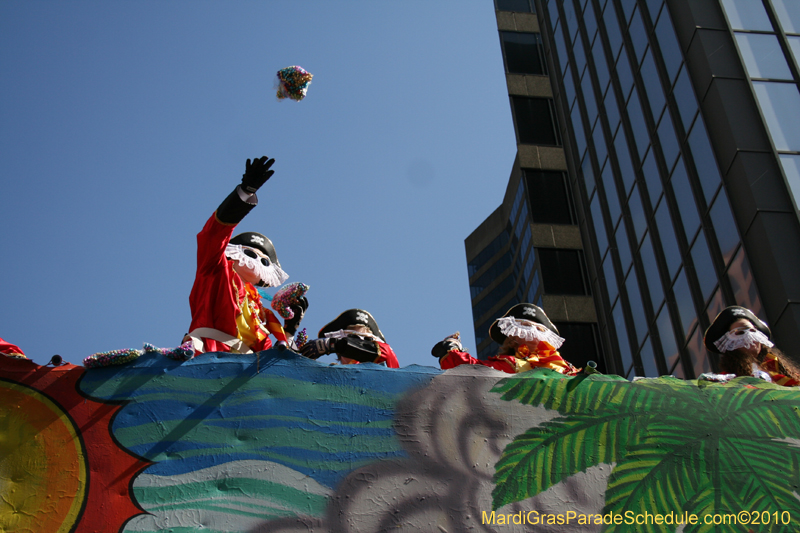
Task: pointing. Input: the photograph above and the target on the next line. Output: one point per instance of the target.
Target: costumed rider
(527, 340)
(354, 337)
(227, 313)
(744, 343)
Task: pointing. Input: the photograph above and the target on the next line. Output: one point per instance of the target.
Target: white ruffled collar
(529, 331)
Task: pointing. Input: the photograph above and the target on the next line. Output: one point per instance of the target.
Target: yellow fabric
(248, 323)
(770, 366)
(545, 356)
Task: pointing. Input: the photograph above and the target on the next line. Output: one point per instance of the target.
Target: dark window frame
(535, 127)
(514, 58)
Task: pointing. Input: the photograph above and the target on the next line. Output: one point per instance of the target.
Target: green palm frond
(654, 479)
(753, 471)
(678, 446)
(556, 450)
(581, 394)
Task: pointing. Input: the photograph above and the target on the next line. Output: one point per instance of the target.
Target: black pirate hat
(352, 317)
(723, 321)
(523, 311)
(259, 242)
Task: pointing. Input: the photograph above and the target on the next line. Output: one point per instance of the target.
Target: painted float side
(277, 442)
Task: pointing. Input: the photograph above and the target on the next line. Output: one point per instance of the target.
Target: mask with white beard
(254, 267)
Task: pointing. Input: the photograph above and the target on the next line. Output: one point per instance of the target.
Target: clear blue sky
(125, 124)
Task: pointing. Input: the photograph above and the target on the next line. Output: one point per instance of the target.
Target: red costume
(227, 314)
(544, 357)
(6, 348)
(387, 355)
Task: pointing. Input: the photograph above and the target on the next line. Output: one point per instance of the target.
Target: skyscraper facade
(531, 249)
(679, 126)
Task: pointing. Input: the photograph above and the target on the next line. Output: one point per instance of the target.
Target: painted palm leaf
(677, 445)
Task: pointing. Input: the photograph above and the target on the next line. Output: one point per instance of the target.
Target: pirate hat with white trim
(259, 242)
(524, 311)
(723, 321)
(352, 317)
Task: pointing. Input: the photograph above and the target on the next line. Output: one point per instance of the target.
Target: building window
(780, 104)
(763, 56)
(518, 6)
(791, 167)
(789, 15)
(487, 253)
(491, 274)
(667, 335)
(535, 121)
(549, 197)
(493, 297)
(523, 53)
(747, 15)
(580, 344)
(562, 271)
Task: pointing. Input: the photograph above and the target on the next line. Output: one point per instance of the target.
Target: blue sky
(125, 124)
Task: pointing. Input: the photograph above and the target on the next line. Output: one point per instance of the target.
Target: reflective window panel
(669, 243)
(703, 266)
(599, 226)
(519, 6)
(683, 298)
(522, 52)
(684, 97)
(637, 214)
(651, 272)
(534, 120)
(622, 337)
(698, 353)
(704, 160)
(562, 271)
(668, 344)
(669, 141)
(745, 292)
(725, 226)
(648, 360)
(780, 105)
(685, 200)
(612, 199)
(549, 197)
(715, 306)
(652, 83)
(637, 306)
(747, 15)
(788, 12)
(763, 56)
(580, 345)
(651, 177)
(611, 278)
(791, 167)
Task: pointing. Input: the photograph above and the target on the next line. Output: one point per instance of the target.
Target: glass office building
(678, 125)
(531, 248)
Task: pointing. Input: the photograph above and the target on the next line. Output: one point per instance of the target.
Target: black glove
(299, 310)
(442, 348)
(256, 174)
(317, 348)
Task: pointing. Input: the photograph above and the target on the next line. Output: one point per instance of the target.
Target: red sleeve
(454, 358)
(387, 355)
(10, 349)
(213, 300)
